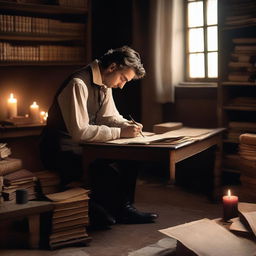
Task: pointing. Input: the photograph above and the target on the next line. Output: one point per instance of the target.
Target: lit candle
(11, 106)
(34, 113)
(42, 115)
(230, 206)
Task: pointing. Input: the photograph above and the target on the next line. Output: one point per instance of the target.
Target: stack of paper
(4, 151)
(245, 224)
(247, 152)
(70, 218)
(182, 135)
(49, 182)
(21, 179)
(207, 238)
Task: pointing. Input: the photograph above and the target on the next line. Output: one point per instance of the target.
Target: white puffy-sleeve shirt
(84, 118)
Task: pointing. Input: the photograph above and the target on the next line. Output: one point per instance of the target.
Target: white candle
(12, 106)
(43, 116)
(34, 113)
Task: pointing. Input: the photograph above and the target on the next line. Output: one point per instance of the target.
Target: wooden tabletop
(11, 209)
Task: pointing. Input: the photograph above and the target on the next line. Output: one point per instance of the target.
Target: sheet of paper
(207, 238)
(249, 220)
(237, 225)
(246, 207)
(182, 133)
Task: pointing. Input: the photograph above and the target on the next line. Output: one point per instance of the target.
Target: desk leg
(216, 193)
(172, 169)
(34, 230)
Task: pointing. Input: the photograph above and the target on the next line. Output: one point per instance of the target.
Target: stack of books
(243, 58)
(8, 165)
(21, 179)
(48, 182)
(69, 218)
(247, 152)
(235, 129)
(241, 14)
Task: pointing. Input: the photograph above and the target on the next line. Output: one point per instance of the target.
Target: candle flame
(34, 105)
(12, 99)
(229, 193)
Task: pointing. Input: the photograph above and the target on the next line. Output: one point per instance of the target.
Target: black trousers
(112, 183)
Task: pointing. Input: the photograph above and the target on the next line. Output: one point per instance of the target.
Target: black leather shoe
(130, 215)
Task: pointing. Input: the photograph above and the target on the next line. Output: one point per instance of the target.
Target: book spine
(9, 166)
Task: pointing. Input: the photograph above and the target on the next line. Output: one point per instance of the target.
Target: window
(202, 40)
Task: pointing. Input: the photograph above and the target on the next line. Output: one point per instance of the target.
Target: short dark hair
(124, 56)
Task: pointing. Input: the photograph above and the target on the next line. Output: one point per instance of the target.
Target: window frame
(205, 52)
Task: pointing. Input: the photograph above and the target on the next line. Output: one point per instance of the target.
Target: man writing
(83, 110)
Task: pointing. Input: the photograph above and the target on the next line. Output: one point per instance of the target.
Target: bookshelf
(45, 34)
(237, 75)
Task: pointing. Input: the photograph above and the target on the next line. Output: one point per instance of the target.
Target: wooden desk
(159, 152)
(31, 210)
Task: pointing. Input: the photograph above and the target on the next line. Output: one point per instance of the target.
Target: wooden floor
(175, 205)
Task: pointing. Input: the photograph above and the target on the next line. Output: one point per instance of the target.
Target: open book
(176, 136)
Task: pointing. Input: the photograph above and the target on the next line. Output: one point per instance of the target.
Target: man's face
(117, 78)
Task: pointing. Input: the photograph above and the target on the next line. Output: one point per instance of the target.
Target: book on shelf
(75, 4)
(242, 66)
(242, 125)
(242, 77)
(244, 40)
(240, 57)
(248, 138)
(9, 165)
(245, 49)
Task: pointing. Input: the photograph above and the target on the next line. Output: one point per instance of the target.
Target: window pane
(196, 40)
(196, 65)
(195, 14)
(212, 17)
(212, 64)
(212, 38)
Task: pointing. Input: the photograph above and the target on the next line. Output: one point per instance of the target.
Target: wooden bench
(31, 210)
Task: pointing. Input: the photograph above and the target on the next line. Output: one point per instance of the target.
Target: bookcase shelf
(44, 34)
(239, 108)
(238, 84)
(42, 8)
(39, 37)
(237, 74)
(42, 63)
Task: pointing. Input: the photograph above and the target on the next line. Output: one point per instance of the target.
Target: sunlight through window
(202, 39)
